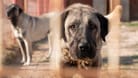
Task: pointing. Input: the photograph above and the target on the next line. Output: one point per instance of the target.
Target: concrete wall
(126, 10)
(101, 6)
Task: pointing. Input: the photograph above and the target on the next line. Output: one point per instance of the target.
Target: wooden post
(40, 7)
(55, 39)
(25, 6)
(1, 4)
(113, 4)
(45, 3)
(113, 39)
(56, 5)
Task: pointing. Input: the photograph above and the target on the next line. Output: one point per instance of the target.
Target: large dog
(83, 30)
(27, 29)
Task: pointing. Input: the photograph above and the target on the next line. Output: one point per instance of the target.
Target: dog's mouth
(80, 52)
(84, 51)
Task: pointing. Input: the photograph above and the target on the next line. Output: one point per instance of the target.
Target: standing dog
(82, 32)
(27, 29)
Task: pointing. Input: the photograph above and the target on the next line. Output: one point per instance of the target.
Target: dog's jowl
(83, 30)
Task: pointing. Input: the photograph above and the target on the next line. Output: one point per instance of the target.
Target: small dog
(27, 29)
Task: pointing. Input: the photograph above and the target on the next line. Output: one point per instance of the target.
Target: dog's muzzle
(85, 51)
(83, 47)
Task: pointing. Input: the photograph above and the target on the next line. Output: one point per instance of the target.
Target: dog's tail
(115, 16)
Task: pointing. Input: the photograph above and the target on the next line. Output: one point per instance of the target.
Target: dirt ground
(38, 69)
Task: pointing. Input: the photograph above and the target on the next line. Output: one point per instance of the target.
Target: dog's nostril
(83, 47)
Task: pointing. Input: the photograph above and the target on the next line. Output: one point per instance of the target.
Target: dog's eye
(91, 26)
(73, 27)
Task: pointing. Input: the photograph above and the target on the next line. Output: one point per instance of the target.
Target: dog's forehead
(71, 18)
(81, 17)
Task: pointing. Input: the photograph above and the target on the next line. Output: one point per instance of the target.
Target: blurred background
(128, 40)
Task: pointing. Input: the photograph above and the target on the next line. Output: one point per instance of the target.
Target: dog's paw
(26, 63)
(23, 61)
(45, 59)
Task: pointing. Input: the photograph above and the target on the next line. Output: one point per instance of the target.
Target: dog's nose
(83, 47)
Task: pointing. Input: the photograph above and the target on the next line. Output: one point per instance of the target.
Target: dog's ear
(64, 15)
(103, 25)
(13, 10)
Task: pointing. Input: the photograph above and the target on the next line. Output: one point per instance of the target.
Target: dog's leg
(50, 46)
(48, 55)
(28, 46)
(20, 42)
(22, 48)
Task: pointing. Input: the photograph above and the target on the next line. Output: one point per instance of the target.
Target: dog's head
(83, 28)
(13, 11)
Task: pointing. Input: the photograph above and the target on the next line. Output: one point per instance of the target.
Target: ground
(128, 61)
